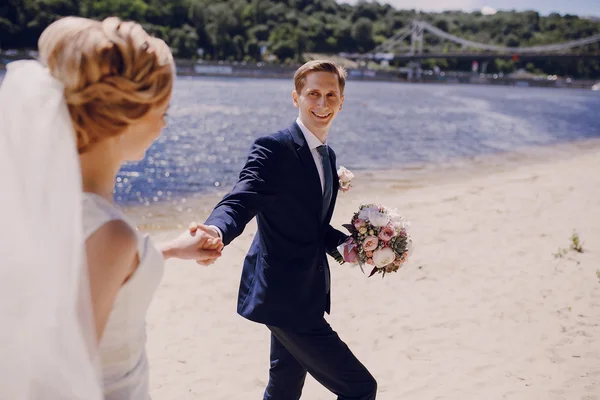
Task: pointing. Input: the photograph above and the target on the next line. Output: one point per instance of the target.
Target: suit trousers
(319, 351)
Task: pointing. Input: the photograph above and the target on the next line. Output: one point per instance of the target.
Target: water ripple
(213, 122)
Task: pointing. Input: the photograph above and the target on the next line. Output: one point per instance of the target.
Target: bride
(97, 99)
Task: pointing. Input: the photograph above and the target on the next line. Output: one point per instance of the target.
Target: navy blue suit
(283, 283)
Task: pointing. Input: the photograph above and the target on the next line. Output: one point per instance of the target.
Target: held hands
(215, 241)
(199, 243)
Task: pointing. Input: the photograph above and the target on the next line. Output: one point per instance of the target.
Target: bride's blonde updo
(114, 73)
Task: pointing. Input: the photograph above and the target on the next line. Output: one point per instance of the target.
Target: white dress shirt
(314, 142)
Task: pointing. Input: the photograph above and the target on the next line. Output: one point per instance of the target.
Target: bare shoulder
(113, 247)
(116, 233)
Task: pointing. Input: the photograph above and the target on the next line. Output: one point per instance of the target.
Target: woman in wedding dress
(108, 85)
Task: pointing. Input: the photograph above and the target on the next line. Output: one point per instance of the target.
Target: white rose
(345, 175)
(378, 219)
(366, 212)
(383, 257)
(399, 221)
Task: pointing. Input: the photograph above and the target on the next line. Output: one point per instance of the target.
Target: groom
(290, 184)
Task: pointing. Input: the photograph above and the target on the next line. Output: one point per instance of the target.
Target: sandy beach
(483, 310)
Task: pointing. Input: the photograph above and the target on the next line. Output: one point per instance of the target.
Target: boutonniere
(345, 176)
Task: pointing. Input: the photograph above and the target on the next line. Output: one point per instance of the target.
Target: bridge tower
(416, 41)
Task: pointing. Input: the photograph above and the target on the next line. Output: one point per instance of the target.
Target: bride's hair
(113, 72)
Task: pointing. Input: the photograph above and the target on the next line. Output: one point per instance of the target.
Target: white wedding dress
(123, 345)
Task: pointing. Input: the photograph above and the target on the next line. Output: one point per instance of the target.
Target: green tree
(126, 9)
(362, 33)
(282, 42)
(512, 41)
(235, 29)
(184, 41)
(259, 32)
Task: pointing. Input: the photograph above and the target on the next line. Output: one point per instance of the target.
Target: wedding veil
(47, 335)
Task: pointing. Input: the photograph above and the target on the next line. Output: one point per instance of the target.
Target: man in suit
(290, 184)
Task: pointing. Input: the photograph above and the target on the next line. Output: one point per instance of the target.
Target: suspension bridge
(395, 48)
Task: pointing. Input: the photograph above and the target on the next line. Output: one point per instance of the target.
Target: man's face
(319, 101)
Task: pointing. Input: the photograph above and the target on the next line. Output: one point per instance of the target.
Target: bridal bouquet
(379, 237)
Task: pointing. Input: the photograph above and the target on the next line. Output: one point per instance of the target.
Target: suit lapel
(313, 182)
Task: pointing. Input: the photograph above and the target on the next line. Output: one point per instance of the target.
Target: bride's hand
(200, 245)
(209, 229)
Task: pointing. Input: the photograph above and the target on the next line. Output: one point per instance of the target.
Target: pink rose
(370, 243)
(359, 223)
(387, 232)
(351, 256)
(369, 254)
(350, 251)
(370, 261)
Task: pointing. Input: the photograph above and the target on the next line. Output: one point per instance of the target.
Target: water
(213, 121)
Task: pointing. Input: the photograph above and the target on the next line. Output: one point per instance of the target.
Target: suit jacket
(283, 276)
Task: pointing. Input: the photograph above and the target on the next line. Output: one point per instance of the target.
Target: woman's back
(122, 347)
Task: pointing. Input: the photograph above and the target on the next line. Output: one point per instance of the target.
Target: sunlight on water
(213, 122)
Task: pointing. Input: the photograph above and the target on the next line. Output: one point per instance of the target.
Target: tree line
(247, 30)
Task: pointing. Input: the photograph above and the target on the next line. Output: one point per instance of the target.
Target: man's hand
(198, 243)
(210, 230)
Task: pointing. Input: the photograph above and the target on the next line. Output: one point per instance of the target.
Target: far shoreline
(238, 70)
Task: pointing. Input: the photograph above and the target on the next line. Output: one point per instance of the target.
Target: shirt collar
(312, 141)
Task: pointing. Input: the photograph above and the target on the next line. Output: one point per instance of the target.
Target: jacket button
(320, 268)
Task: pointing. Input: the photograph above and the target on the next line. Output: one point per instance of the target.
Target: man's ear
(342, 102)
(295, 98)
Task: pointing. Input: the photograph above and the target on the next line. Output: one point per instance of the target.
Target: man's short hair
(319, 66)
